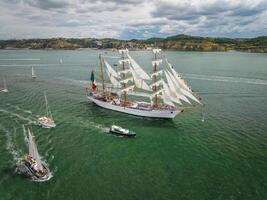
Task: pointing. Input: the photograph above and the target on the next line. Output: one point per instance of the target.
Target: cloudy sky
(126, 19)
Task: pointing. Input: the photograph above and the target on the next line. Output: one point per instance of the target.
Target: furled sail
(127, 80)
(33, 152)
(130, 88)
(156, 51)
(156, 73)
(158, 83)
(124, 61)
(141, 73)
(156, 62)
(123, 51)
(110, 70)
(139, 83)
(124, 71)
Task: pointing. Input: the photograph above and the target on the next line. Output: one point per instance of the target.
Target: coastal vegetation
(177, 42)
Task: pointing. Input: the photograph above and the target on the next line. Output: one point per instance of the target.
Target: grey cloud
(186, 11)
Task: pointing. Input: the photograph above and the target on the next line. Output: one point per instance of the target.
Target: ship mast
(102, 73)
(124, 76)
(154, 89)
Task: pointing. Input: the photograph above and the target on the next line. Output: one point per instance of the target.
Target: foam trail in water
(75, 82)
(20, 59)
(20, 109)
(30, 121)
(226, 79)
(25, 134)
(40, 65)
(11, 147)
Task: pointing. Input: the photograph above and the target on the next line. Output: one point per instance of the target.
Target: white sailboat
(46, 121)
(33, 74)
(5, 87)
(166, 89)
(32, 161)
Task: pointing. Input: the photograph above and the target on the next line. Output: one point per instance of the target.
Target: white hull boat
(46, 121)
(32, 164)
(143, 112)
(164, 87)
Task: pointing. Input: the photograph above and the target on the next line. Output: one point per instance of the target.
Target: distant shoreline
(90, 49)
(173, 43)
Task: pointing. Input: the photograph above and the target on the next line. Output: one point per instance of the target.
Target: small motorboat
(114, 129)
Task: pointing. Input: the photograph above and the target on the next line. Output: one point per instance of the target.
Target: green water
(224, 157)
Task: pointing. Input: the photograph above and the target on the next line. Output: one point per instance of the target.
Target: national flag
(93, 85)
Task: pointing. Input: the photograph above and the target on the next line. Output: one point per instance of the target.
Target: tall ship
(167, 93)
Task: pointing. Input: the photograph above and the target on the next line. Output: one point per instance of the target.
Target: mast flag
(93, 84)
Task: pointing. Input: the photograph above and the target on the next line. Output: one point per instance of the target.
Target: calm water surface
(224, 157)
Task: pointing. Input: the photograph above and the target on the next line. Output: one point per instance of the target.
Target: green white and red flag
(93, 84)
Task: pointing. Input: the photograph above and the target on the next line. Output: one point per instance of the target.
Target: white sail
(33, 152)
(174, 88)
(48, 111)
(110, 70)
(178, 77)
(114, 82)
(33, 73)
(141, 73)
(139, 83)
(170, 94)
(156, 51)
(185, 92)
(156, 62)
(166, 98)
(5, 87)
(156, 73)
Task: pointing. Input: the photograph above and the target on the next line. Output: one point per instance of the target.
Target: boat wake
(10, 147)
(97, 126)
(83, 83)
(29, 118)
(226, 79)
(19, 109)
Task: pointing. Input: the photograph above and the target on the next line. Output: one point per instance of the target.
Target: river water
(224, 157)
